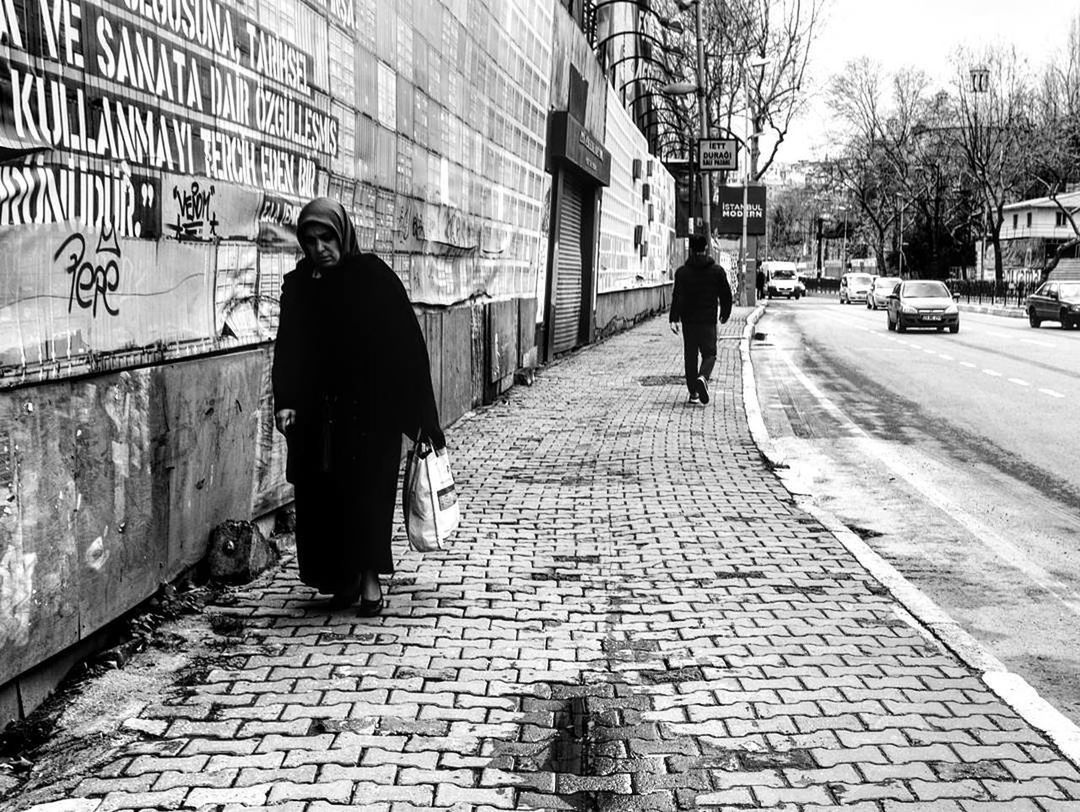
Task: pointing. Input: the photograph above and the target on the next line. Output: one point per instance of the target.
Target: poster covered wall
(171, 139)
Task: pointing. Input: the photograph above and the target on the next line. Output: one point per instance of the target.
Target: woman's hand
(437, 438)
(285, 419)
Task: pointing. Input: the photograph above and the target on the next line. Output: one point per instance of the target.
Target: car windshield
(1070, 290)
(783, 274)
(859, 279)
(925, 290)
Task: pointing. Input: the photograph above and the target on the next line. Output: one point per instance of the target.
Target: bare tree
(1056, 139)
(994, 135)
(759, 53)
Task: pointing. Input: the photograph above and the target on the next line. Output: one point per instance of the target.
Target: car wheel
(889, 322)
(1066, 322)
(954, 328)
(1033, 320)
(900, 326)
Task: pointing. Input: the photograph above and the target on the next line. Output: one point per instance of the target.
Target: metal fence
(978, 292)
(999, 294)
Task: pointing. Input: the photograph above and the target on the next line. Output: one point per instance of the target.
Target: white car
(854, 287)
(879, 292)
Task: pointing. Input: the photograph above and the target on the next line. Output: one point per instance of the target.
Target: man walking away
(700, 285)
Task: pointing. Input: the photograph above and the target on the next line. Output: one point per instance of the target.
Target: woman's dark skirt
(344, 519)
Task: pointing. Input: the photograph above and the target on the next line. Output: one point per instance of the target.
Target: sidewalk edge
(1011, 688)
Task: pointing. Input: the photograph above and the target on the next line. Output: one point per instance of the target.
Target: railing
(999, 294)
(825, 285)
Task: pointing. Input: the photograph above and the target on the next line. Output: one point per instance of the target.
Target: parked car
(854, 287)
(1055, 301)
(782, 279)
(922, 303)
(879, 292)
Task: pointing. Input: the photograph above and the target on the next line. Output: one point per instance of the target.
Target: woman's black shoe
(343, 600)
(370, 608)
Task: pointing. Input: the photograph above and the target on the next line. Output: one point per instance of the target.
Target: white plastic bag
(429, 498)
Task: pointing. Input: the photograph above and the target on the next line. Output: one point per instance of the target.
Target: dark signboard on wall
(570, 141)
(727, 216)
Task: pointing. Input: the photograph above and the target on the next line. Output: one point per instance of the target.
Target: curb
(933, 621)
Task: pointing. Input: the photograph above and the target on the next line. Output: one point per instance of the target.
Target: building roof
(1070, 200)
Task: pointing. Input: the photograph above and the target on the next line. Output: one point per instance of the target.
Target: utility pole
(706, 188)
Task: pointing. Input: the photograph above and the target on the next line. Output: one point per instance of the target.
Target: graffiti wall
(155, 156)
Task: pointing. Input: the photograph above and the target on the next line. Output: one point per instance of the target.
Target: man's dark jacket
(700, 285)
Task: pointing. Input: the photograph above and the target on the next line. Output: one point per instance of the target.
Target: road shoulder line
(1011, 688)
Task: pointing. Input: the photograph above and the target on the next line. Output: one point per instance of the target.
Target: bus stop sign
(717, 154)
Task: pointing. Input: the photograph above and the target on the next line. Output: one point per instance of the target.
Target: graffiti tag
(92, 280)
(194, 213)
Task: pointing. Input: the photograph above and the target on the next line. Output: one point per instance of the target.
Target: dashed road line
(992, 373)
(1019, 381)
(1051, 393)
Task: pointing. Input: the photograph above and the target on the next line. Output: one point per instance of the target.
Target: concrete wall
(622, 309)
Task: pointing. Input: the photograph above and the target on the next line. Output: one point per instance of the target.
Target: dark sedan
(922, 303)
(1055, 301)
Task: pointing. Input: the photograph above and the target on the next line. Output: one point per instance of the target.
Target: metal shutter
(568, 268)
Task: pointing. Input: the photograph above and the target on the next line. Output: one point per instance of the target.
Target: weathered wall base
(621, 309)
(114, 482)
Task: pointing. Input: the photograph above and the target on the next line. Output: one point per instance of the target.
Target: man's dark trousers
(698, 338)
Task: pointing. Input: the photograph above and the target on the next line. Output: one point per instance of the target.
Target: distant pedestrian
(761, 284)
(700, 286)
(350, 376)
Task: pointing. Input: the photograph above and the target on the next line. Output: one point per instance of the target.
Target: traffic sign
(716, 154)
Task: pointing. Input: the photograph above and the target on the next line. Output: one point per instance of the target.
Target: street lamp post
(749, 285)
(843, 244)
(683, 88)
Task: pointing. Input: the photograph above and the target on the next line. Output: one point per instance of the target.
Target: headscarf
(327, 212)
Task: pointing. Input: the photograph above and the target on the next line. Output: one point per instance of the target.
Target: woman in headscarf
(350, 376)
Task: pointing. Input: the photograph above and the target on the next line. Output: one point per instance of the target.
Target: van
(854, 287)
(782, 279)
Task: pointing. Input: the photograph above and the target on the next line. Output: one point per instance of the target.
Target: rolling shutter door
(569, 270)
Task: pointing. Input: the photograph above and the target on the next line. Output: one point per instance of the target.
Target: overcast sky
(924, 34)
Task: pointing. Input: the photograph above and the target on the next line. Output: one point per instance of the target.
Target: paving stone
(592, 616)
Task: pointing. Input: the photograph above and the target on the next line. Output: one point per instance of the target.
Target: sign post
(718, 154)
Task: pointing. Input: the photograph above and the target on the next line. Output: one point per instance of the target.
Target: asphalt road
(954, 456)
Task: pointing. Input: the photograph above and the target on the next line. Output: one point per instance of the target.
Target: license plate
(931, 317)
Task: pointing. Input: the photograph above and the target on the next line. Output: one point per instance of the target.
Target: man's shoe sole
(702, 390)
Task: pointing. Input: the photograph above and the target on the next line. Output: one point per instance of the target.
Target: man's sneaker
(702, 389)
(693, 398)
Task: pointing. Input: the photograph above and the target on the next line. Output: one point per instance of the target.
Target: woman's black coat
(350, 352)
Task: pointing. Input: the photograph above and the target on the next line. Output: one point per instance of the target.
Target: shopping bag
(429, 499)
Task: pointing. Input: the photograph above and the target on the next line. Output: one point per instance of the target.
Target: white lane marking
(1019, 381)
(930, 352)
(1051, 393)
(946, 357)
(1004, 549)
(968, 364)
(992, 373)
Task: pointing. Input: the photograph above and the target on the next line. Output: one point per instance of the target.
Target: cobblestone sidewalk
(636, 616)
